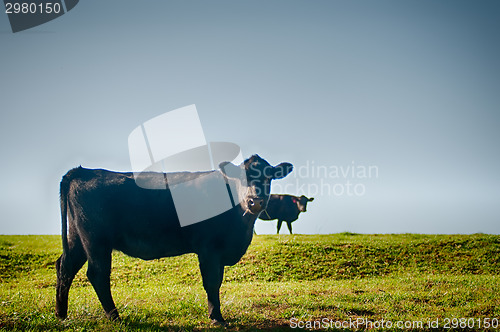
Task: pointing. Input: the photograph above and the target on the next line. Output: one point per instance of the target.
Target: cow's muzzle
(255, 205)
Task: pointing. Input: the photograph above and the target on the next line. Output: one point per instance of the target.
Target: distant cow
(285, 208)
(103, 210)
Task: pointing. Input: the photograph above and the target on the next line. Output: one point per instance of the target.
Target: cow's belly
(151, 245)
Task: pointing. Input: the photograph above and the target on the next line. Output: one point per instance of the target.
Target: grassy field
(315, 281)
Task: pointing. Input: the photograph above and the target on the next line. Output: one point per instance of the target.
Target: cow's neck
(248, 218)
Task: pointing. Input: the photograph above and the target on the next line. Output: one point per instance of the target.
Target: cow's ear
(282, 170)
(294, 200)
(230, 170)
(310, 199)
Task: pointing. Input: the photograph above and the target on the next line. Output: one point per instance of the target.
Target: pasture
(325, 280)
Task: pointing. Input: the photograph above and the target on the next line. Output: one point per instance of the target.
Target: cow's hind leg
(67, 266)
(212, 273)
(99, 272)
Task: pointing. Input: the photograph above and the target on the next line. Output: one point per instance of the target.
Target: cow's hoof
(220, 322)
(60, 317)
(61, 314)
(113, 316)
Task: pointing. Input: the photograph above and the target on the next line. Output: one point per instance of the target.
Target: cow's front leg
(279, 225)
(212, 273)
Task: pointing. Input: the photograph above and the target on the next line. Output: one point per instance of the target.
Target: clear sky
(407, 89)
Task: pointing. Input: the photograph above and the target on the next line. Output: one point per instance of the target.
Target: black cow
(103, 210)
(285, 208)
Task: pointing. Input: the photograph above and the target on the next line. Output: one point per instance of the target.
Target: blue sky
(410, 87)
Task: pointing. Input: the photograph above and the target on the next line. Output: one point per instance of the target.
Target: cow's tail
(63, 196)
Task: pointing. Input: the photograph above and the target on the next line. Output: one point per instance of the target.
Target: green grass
(337, 277)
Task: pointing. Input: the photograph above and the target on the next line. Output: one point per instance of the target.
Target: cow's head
(302, 202)
(254, 195)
